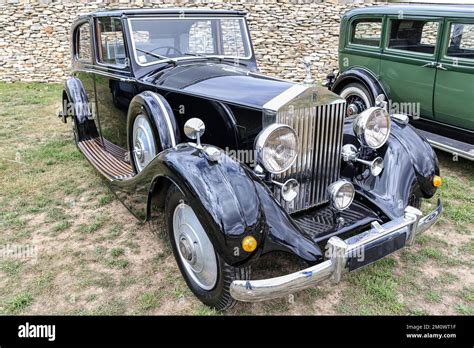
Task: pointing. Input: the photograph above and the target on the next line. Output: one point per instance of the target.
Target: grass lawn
(93, 257)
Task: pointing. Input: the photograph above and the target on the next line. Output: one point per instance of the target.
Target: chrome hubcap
(143, 144)
(357, 100)
(194, 247)
(139, 150)
(186, 249)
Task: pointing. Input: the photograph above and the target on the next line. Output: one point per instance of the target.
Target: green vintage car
(421, 59)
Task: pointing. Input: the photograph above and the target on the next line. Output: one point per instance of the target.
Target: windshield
(158, 39)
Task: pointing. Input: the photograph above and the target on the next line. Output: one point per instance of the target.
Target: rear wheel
(69, 112)
(358, 98)
(205, 272)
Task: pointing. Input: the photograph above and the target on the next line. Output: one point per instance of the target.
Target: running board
(453, 146)
(107, 158)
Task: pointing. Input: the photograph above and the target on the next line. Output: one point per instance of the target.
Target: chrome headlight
(276, 148)
(372, 127)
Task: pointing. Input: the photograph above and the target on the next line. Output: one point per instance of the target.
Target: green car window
(461, 41)
(413, 35)
(367, 32)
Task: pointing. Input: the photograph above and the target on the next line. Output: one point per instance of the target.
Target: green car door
(408, 63)
(454, 89)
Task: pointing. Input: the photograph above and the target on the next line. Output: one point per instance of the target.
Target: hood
(223, 82)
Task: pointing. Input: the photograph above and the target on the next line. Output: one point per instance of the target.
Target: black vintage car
(145, 80)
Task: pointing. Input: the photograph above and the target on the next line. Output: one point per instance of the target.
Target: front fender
(229, 200)
(409, 161)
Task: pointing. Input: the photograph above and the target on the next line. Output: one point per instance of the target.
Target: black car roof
(432, 10)
(163, 11)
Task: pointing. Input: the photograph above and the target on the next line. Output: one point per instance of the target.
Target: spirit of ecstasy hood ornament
(308, 63)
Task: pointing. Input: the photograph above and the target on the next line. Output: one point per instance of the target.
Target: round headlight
(372, 127)
(276, 148)
(341, 194)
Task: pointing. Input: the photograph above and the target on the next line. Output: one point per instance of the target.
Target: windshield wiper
(159, 56)
(219, 58)
(195, 54)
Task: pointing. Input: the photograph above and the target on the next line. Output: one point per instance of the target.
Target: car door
(408, 63)
(454, 89)
(83, 64)
(114, 87)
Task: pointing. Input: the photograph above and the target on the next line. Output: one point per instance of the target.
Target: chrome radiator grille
(320, 131)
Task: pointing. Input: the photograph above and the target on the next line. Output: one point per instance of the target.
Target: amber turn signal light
(437, 181)
(249, 244)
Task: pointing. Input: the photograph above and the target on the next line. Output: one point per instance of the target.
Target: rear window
(83, 43)
(413, 35)
(461, 41)
(367, 32)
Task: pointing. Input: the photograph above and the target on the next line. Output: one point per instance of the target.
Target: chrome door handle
(440, 66)
(429, 65)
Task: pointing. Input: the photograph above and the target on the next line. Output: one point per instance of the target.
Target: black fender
(409, 163)
(76, 104)
(229, 200)
(161, 115)
(362, 76)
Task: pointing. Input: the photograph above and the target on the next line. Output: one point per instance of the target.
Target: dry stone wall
(35, 43)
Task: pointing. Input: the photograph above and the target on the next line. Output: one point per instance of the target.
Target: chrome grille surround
(317, 116)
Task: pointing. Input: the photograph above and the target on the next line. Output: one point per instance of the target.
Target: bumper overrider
(342, 256)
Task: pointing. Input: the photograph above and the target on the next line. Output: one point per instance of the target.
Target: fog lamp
(289, 189)
(341, 194)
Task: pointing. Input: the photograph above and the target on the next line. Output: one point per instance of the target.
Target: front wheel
(205, 272)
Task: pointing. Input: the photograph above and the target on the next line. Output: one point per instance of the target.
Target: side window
(200, 38)
(413, 35)
(83, 43)
(461, 41)
(367, 32)
(111, 47)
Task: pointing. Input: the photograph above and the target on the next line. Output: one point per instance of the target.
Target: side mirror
(194, 128)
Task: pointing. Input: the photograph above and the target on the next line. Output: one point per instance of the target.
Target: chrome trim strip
(167, 117)
(122, 78)
(333, 268)
(430, 219)
(285, 97)
(453, 150)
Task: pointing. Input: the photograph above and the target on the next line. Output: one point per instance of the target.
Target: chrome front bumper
(343, 256)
